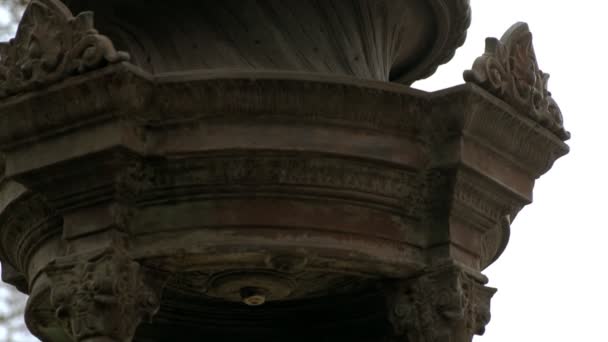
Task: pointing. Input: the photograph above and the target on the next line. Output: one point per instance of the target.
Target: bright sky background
(551, 285)
(4, 16)
(551, 282)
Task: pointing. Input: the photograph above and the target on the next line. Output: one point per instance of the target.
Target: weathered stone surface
(260, 177)
(268, 198)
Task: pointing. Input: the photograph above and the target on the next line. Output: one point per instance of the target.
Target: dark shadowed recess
(354, 317)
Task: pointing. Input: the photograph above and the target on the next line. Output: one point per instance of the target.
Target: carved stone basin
(402, 40)
(244, 170)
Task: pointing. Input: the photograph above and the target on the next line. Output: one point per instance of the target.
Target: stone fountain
(243, 170)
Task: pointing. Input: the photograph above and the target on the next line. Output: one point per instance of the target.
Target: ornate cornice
(509, 70)
(475, 113)
(51, 45)
(374, 185)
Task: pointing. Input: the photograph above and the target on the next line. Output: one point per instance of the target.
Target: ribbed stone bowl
(402, 40)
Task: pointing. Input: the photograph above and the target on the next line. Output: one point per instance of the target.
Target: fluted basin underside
(385, 40)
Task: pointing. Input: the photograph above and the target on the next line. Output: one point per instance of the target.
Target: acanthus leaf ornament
(445, 304)
(509, 70)
(51, 45)
(103, 296)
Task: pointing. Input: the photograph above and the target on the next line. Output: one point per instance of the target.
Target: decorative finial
(51, 45)
(509, 70)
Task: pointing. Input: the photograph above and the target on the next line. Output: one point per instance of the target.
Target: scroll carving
(444, 305)
(509, 70)
(51, 44)
(104, 296)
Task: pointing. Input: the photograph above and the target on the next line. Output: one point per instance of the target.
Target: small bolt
(253, 296)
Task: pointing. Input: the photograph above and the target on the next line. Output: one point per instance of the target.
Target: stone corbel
(103, 297)
(445, 304)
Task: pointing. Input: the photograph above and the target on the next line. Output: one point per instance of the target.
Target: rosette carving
(103, 296)
(509, 70)
(446, 304)
(51, 44)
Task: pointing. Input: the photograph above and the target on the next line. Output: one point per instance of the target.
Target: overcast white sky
(551, 282)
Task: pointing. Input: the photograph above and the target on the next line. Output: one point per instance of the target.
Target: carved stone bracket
(103, 297)
(446, 304)
(509, 70)
(51, 44)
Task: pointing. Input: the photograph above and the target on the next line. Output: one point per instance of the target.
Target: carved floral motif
(444, 305)
(101, 297)
(509, 70)
(51, 44)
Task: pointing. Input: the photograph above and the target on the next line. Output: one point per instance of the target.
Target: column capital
(102, 296)
(447, 303)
